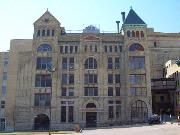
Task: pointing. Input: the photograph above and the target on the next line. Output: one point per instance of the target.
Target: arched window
(142, 34)
(128, 33)
(90, 105)
(137, 34)
(44, 48)
(133, 34)
(139, 111)
(90, 63)
(136, 47)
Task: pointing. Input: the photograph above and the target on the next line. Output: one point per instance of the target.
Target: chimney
(118, 26)
(123, 16)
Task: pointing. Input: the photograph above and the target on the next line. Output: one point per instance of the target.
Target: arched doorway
(139, 111)
(91, 116)
(41, 122)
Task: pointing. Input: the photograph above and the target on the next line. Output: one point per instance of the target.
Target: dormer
(46, 26)
(134, 27)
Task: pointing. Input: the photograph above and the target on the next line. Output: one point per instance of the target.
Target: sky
(18, 16)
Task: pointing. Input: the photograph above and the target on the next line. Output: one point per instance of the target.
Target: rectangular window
(90, 78)
(117, 78)
(64, 79)
(110, 78)
(38, 33)
(76, 49)
(71, 91)
(63, 113)
(52, 32)
(137, 62)
(91, 91)
(71, 49)
(71, 78)
(110, 48)
(64, 63)
(95, 48)
(43, 32)
(118, 109)
(138, 91)
(115, 49)
(105, 48)
(111, 112)
(137, 78)
(110, 91)
(120, 48)
(66, 49)
(3, 90)
(43, 81)
(43, 63)
(110, 63)
(5, 63)
(70, 113)
(2, 124)
(42, 99)
(71, 63)
(48, 32)
(2, 104)
(4, 75)
(117, 91)
(64, 91)
(61, 49)
(117, 63)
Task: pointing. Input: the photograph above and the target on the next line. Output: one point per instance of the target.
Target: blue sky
(17, 16)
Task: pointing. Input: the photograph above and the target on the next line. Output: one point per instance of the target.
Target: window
(95, 48)
(2, 124)
(48, 32)
(4, 75)
(142, 34)
(3, 90)
(120, 48)
(117, 78)
(63, 113)
(76, 49)
(137, 62)
(118, 109)
(110, 63)
(38, 33)
(117, 91)
(110, 48)
(111, 112)
(61, 49)
(137, 78)
(117, 63)
(52, 32)
(71, 63)
(43, 81)
(136, 47)
(43, 32)
(90, 78)
(110, 91)
(5, 63)
(137, 34)
(67, 79)
(161, 99)
(133, 34)
(138, 91)
(105, 48)
(155, 45)
(128, 33)
(90, 63)
(91, 91)
(66, 49)
(70, 113)
(67, 111)
(67, 91)
(115, 48)
(71, 49)
(91, 48)
(43, 63)
(85, 48)
(44, 48)
(42, 99)
(110, 78)
(64, 63)
(2, 104)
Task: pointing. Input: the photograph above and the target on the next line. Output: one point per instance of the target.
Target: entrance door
(91, 119)
(41, 122)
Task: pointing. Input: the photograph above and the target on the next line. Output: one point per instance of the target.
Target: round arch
(44, 48)
(136, 47)
(41, 122)
(139, 111)
(90, 63)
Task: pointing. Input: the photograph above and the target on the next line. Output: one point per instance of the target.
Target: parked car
(154, 119)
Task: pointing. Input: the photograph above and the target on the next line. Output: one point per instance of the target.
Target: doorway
(91, 119)
(41, 122)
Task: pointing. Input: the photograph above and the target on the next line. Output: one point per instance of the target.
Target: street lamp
(50, 69)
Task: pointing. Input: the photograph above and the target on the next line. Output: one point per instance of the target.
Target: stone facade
(58, 79)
